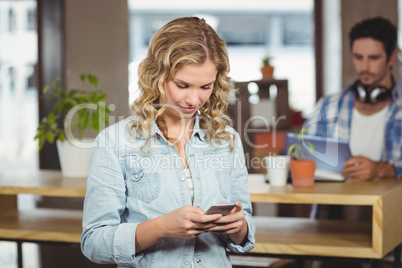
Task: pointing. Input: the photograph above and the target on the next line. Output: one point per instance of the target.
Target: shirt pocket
(223, 178)
(219, 161)
(145, 186)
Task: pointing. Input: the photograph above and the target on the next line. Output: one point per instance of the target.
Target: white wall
(97, 42)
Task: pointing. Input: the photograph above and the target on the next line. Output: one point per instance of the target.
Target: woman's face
(189, 89)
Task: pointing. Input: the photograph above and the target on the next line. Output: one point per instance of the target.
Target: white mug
(277, 169)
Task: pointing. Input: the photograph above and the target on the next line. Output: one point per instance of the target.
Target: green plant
(266, 60)
(91, 113)
(298, 149)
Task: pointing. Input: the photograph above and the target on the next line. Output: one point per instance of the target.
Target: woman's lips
(188, 109)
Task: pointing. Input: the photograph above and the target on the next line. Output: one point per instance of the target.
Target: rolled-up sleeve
(105, 239)
(394, 143)
(398, 168)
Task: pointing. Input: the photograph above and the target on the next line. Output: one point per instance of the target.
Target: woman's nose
(192, 98)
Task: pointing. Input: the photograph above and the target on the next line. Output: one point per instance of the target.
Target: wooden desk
(331, 238)
(274, 235)
(54, 225)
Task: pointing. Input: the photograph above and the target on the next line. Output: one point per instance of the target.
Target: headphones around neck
(380, 93)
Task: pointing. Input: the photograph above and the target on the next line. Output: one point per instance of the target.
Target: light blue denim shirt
(127, 186)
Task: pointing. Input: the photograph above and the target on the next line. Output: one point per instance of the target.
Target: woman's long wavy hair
(183, 41)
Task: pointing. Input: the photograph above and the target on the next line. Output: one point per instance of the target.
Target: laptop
(329, 153)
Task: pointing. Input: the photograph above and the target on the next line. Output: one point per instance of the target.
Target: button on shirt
(333, 117)
(128, 184)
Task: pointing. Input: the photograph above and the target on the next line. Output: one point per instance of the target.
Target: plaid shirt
(333, 115)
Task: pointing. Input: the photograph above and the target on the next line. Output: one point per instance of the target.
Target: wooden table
(298, 236)
(287, 236)
(54, 225)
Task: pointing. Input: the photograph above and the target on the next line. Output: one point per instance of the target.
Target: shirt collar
(197, 130)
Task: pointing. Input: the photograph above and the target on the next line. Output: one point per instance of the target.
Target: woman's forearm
(148, 233)
(240, 237)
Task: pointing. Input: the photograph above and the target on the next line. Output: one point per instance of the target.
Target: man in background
(368, 113)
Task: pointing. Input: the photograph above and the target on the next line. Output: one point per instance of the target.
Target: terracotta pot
(267, 71)
(302, 172)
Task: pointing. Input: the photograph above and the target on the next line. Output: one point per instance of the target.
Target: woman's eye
(207, 87)
(181, 86)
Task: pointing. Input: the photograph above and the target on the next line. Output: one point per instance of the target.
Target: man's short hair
(377, 28)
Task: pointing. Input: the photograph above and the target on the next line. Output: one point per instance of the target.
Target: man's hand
(362, 168)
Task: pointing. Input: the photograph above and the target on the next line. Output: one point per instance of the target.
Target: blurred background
(283, 30)
(39, 40)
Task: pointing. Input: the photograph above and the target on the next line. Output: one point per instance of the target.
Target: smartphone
(221, 208)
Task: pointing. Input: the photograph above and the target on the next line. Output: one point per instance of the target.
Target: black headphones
(378, 94)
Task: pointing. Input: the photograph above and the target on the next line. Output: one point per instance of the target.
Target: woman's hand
(188, 222)
(185, 222)
(234, 224)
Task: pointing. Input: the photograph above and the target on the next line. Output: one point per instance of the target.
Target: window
(11, 21)
(18, 105)
(11, 79)
(244, 30)
(284, 31)
(298, 30)
(30, 78)
(18, 99)
(31, 20)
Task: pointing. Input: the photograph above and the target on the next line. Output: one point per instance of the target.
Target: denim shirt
(128, 184)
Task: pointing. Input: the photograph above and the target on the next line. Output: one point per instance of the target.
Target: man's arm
(362, 168)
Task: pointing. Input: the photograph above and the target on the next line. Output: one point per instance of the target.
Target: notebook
(329, 153)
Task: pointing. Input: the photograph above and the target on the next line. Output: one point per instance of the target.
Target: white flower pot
(74, 158)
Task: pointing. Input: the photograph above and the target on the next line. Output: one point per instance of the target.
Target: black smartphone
(221, 208)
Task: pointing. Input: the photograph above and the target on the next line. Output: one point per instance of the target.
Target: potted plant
(267, 70)
(301, 169)
(79, 110)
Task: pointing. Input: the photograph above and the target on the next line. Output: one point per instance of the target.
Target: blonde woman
(153, 175)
